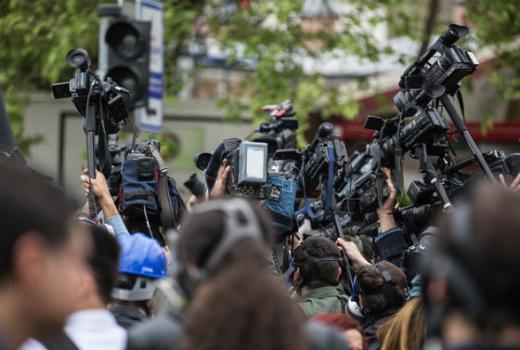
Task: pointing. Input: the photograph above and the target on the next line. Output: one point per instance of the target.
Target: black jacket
(127, 316)
(160, 333)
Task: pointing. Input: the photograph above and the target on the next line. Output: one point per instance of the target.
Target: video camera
(104, 106)
(427, 126)
(249, 169)
(87, 91)
(436, 72)
(323, 160)
(143, 191)
(279, 130)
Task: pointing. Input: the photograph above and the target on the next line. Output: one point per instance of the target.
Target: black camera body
(87, 90)
(196, 187)
(427, 126)
(360, 196)
(437, 72)
(322, 154)
(279, 131)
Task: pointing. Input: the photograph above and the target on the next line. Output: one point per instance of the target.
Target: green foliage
(498, 25)
(271, 32)
(35, 36)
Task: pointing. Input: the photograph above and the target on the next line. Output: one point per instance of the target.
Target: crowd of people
(68, 282)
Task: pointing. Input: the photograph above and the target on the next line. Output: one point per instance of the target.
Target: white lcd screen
(255, 162)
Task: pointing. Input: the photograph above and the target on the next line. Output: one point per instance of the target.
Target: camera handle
(431, 175)
(463, 130)
(90, 131)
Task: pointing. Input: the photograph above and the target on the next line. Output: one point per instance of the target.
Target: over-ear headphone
(352, 307)
(240, 222)
(388, 289)
(310, 265)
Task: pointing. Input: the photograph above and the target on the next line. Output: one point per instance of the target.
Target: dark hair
(242, 296)
(381, 298)
(317, 273)
(200, 233)
(244, 307)
(486, 254)
(103, 260)
(29, 203)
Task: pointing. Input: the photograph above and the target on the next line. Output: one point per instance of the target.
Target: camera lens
(78, 58)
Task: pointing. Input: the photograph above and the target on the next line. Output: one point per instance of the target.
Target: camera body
(279, 131)
(196, 187)
(248, 162)
(437, 72)
(86, 91)
(142, 190)
(322, 154)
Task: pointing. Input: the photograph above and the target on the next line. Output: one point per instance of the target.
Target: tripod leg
(463, 130)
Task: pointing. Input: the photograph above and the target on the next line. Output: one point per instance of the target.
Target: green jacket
(323, 299)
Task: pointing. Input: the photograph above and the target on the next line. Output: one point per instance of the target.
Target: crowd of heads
(216, 283)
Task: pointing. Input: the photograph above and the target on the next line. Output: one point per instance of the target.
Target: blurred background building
(195, 121)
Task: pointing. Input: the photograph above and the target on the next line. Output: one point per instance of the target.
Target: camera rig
(104, 106)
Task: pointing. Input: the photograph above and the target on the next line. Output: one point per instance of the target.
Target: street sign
(151, 117)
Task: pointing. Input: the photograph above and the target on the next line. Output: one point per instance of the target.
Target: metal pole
(463, 130)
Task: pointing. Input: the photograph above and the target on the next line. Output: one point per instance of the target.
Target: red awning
(499, 132)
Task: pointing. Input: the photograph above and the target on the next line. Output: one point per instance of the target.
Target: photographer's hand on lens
(219, 189)
(353, 253)
(515, 185)
(385, 214)
(100, 188)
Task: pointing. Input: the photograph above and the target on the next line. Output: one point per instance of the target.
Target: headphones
(388, 289)
(240, 222)
(310, 265)
(352, 307)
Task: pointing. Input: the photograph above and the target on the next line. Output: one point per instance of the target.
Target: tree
(35, 36)
(497, 24)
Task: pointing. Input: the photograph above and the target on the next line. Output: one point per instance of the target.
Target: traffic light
(128, 43)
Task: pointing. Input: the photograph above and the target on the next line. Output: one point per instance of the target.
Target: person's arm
(391, 245)
(386, 213)
(515, 185)
(390, 242)
(110, 212)
(354, 255)
(219, 189)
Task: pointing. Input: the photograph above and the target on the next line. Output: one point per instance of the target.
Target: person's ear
(297, 277)
(338, 274)
(29, 260)
(87, 285)
(437, 291)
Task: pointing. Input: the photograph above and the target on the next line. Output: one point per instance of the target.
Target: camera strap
(330, 179)
(307, 210)
(163, 191)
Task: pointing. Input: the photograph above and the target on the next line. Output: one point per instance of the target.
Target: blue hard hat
(142, 256)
